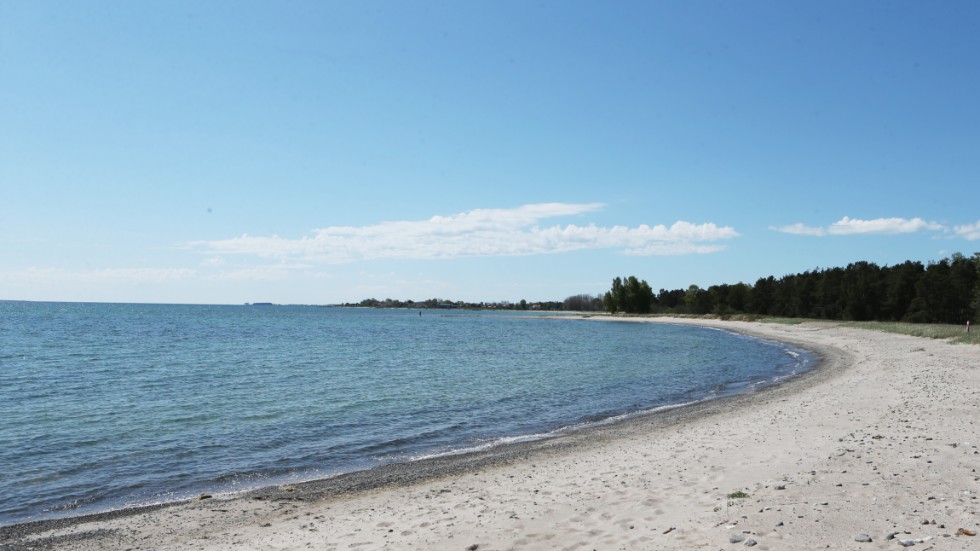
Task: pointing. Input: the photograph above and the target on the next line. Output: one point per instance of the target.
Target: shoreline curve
(834, 357)
(447, 464)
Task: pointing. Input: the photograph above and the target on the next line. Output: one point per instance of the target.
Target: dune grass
(954, 333)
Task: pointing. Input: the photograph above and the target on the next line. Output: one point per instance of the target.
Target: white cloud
(855, 226)
(849, 226)
(480, 232)
(674, 249)
(969, 231)
(799, 229)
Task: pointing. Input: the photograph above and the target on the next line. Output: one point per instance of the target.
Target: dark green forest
(946, 291)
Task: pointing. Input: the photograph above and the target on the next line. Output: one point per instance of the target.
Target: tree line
(578, 302)
(946, 291)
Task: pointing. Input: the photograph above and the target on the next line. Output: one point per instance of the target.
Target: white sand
(883, 440)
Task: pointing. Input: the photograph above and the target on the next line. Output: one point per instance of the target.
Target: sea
(107, 406)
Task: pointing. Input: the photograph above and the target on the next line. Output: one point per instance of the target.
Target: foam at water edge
(505, 440)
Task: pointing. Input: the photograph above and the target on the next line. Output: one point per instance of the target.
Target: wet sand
(879, 442)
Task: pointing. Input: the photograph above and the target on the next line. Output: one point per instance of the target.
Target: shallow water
(111, 405)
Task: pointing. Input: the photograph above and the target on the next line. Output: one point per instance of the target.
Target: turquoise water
(111, 405)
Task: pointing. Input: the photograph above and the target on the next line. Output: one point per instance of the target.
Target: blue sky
(319, 152)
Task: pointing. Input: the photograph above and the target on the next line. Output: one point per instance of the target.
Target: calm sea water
(111, 405)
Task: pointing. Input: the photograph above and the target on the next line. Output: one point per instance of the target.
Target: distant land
(943, 291)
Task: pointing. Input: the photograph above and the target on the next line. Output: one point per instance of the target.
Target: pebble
(736, 538)
(863, 538)
(750, 543)
(906, 543)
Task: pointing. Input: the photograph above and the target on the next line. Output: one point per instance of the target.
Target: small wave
(507, 440)
(484, 446)
(629, 415)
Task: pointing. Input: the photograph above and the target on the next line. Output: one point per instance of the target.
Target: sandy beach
(875, 449)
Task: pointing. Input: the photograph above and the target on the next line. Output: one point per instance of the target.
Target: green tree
(582, 303)
(930, 294)
(739, 297)
(784, 295)
(828, 296)
(963, 282)
(975, 303)
(631, 295)
(639, 296)
(899, 289)
(698, 300)
(670, 299)
(614, 299)
(762, 295)
(861, 295)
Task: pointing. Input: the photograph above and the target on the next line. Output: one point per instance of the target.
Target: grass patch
(785, 321)
(954, 333)
(737, 495)
(743, 317)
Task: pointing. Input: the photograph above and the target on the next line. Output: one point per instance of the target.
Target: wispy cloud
(118, 275)
(969, 231)
(856, 226)
(267, 272)
(480, 232)
(851, 226)
(799, 229)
